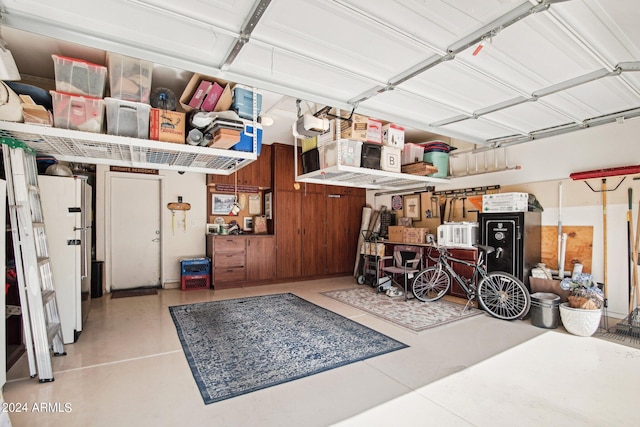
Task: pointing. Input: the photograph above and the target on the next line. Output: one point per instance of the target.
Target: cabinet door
(263, 168)
(314, 234)
(261, 258)
(462, 270)
(344, 213)
(283, 170)
(288, 233)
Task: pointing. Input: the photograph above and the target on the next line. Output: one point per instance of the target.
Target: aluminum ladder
(41, 319)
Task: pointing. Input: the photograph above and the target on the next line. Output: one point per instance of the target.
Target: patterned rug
(412, 314)
(242, 345)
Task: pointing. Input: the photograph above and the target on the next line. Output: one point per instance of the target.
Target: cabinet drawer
(230, 244)
(229, 259)
(231, 274)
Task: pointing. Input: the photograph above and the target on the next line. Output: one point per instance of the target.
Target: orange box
(167, 126)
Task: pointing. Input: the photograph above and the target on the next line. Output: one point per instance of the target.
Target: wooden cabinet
(241, 260)
(256, 174)
(464, 271)
(316, 226)
(261, 258)
(314, 234)
(288, 229)
(344, 214)
(228, 260)
(284, 171)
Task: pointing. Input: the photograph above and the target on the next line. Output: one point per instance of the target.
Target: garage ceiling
(493, 72)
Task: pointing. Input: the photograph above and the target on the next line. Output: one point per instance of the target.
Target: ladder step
(47, 296)
(52, 330)
(38, 225)
(43, 260)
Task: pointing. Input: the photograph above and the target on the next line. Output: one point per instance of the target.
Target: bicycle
(501, 294)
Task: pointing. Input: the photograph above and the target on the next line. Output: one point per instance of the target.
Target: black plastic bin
(97, 278)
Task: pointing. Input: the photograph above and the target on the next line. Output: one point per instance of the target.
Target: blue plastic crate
(195, 267)
(246, 140)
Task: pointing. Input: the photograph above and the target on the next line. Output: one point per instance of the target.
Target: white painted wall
(546, 163)
(177, 242)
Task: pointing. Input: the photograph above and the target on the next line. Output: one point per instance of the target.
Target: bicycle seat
(485, 248)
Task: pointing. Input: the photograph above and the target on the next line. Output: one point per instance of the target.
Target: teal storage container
(439, 160)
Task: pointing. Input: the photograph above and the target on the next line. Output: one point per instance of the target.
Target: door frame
(107, 204)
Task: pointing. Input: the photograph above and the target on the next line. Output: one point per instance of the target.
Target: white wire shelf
(86, 147)
(360, 177)
(373, 179)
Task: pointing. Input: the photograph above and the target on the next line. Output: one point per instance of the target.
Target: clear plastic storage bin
(126, 118)
(351, 153)
(75, 76)
(243, 101)
(77, 112)
(129, 78)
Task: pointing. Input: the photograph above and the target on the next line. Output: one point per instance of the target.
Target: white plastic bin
(127, 118)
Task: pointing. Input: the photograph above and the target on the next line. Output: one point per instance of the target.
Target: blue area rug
(242, 345)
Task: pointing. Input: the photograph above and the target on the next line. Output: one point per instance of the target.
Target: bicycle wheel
(503, 296)
(430, 284)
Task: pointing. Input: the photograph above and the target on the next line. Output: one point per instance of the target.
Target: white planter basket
(579, 321)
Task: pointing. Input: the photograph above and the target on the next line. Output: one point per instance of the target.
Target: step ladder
(40, 315)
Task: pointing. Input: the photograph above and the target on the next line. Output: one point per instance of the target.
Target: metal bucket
(545, 311)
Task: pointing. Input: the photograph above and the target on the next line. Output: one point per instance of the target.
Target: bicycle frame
(479, 271)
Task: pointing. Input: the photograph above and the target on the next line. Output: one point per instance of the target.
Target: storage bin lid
(545, 298)
(437, 146)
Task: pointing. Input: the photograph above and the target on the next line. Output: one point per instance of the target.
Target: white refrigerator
(66, 204)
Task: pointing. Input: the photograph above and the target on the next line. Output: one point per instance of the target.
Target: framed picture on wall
(221, 204)
(412, 207)
(248, 223)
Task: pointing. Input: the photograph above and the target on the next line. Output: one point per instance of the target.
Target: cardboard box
(374, 131)
(167, 126)
(414, 235)
(329, 136)
(370, 248)
(390, 160)
(225, 138)
(224, 102)
(212, 97)
(396, 233)
(198, 96)
(393, 136)
(356, 130)
(548, 285)
(505, 202)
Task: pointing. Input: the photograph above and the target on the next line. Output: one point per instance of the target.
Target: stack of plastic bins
(77, 100)
(195, 273)
(128, 107)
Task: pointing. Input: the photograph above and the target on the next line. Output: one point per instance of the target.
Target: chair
(406, 260)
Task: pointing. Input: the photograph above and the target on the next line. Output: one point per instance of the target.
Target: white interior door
(135, 249)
